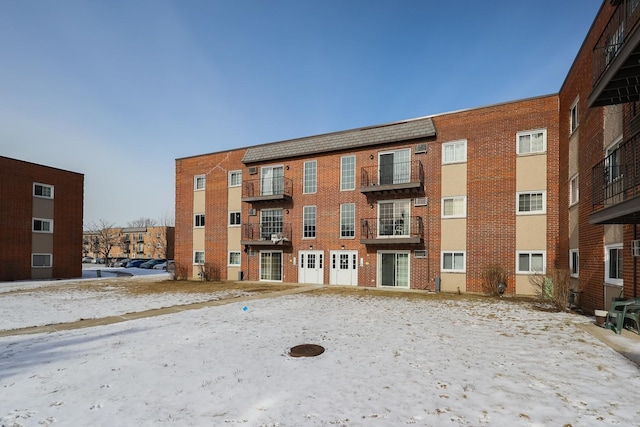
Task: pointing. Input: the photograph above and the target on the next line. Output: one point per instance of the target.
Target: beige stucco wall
(42, 243)
(531, 173)
(531, 232)
(42, 273)
(613, 234)
(198, 201)
(453, 234)
(198, 233)
(612, 124)
(453, 282)
(523, 286)
(573, 153)
(574, 232)
(454, 180)
(42, 208)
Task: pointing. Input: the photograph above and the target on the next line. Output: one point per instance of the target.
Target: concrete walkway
(627, 344)
(87, 323)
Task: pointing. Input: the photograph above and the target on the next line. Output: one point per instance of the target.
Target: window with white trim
(530, 262)
(347, 220)
(42, 225)
(199, 182)
(613, 161)
(235, 218)
(41, 260)
(394, 218)
(531, 202)
(309, 222)
(453, 262)
(198, 257)
(613, 261)
(234, 258)
(43, 190)
(454, 207)
(347, 173)
(573, 116)
(235, 178)
(574, 262)
(310, 179)
(454, 152)
(531, 142)
(198, 220)
(574, 190)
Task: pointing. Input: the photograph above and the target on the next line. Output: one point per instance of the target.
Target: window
(454, 207)
(573, 120)
(574, 262)
(347, 220)
(199, 182)
(198, 220)
(235, 178)
(43, 225)
(453, 262)
(310, 177)
(393, 218)
(394, 166)
(270, 223)
(531, 142)
(234, 258)
(530, 262)
(198, 257)
(309, 222)
(271, 180)
(41, 260)
(348, 173)
(574, 190)
(531, 202)
(454, 152)
(613, 162)
(613, 264)
(234, 218)
(43, 190)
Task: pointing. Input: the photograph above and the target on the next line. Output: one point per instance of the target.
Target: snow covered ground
(388, 362)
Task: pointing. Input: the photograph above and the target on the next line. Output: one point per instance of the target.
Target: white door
(311, 267)
(344, 268)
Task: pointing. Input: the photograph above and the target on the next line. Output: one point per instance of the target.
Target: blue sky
(118, 89)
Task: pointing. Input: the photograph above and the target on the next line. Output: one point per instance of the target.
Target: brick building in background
(40, 221)
(131, 242)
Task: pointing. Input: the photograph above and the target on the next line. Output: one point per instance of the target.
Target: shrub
(180, 272)
(554, 287)
(210, 272)
(493, 277)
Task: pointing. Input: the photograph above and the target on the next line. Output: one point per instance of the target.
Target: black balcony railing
(623, 22)
(273, 188)
(391, 230)
(617, 177)
(265, 234)
(392, 174)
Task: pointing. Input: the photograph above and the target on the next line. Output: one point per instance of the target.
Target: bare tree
(142, 222)
(104, 237)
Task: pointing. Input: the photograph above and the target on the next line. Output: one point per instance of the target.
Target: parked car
(121, 262)
(87, 259)
(163, 265)
(135, 263)
(151, 263)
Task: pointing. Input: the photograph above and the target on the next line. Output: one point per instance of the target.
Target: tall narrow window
(199, 182)
(310, 176)
(347, 220)
(613, 264)
(272, 180)
(235, 178)
(574, 190)
(348, 173)
(394, 167)
(309, 222)
(574, 116)
(574, 262)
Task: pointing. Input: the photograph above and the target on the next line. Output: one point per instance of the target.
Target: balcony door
(393, 269)
(393, 218)
(271, 180)
(394, 166)
(270, 223)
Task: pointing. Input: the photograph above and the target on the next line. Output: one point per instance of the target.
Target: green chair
(620, 310)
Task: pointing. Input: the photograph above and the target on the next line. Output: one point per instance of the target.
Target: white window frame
(454, 215)
(310, 177)
(45, 255)
(344, 219)
(574, 264)
(531, 133)
(574, 190)
(347, 183)
(235, 178)
(260, 263)
(607, 262)
(196, 180)
(453, 269)
(195, 258)
(195, 220)
(43, 186)
(237, 214)
(42, 220)
(454, 144)
(531, 253)
(613, 176)
(306, 210)
(574, 120)
(391, 222)
(229, 260)
(543, 211)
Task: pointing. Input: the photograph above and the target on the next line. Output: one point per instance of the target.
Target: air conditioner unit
(420, 201)
(635, 247)
(420, 148)
(252, 212)
(253, 170)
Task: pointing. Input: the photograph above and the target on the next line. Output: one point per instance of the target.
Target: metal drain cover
(306, 350)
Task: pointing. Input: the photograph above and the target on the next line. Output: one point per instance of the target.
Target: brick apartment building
(547, 182)
(132, 242)
(40, 221)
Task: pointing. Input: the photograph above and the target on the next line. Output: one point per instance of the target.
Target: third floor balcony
(404, 177)
(267, 189)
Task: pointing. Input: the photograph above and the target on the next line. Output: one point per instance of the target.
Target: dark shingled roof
(345, 140)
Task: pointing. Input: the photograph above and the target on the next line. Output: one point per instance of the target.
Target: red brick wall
(16, 212)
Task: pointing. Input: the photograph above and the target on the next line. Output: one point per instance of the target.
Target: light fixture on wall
(287, 167)
(287, 211)
(371, 205)
(310, 247)
(371, 156)
(342, 247)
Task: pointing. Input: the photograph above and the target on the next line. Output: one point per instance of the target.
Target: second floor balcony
(405, 177)
(616, 185)
(267, 189)
(392, 231)
(271, 234)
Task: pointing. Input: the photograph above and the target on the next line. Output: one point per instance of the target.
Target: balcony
(616, 54)
(392, 231)
(266, 235)
(267, 190)
(616, 186)
(397, 178)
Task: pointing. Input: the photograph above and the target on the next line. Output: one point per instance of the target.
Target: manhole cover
(306, 350)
